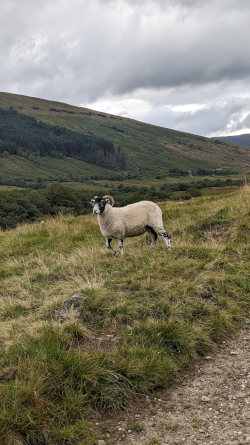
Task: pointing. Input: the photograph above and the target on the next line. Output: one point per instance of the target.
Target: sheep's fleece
(131, 220)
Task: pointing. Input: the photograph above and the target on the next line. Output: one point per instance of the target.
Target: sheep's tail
(111, 198)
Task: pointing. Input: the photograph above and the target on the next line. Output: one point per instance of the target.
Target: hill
(22, 135)
(148, 150)
(241, 139)
(145, 317)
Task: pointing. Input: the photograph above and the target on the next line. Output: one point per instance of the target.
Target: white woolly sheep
(131, 220)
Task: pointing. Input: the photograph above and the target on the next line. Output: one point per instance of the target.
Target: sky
(181, 64)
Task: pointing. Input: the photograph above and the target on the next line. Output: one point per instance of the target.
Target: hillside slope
(149, 150)
(145, 316)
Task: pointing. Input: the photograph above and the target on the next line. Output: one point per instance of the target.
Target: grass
(135, 426)
(172, 427)
(154, 441)
(18, 167)
(156, 183)
(9, 188)
(145, 318)
(150, 150)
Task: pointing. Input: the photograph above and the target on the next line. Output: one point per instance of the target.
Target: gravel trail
(210, 406)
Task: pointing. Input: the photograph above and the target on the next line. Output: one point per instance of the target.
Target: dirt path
(209, 407)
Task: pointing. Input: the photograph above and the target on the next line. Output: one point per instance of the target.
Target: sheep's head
(99, 204)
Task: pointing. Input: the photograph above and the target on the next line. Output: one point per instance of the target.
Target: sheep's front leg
(120, 244)
(166, 238)
(108, 241)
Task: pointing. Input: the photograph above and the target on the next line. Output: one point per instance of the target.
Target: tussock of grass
(145, 317)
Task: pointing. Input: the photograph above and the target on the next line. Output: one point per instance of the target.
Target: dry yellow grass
(161, 308)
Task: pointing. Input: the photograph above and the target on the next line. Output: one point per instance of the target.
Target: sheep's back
(139, 215)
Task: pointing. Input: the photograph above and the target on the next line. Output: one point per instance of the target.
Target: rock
(72, 303)
(247, 322)
(240, 395)
(205, 399)
(101, 442)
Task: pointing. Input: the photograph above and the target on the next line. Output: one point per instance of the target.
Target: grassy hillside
(46, 168)
(149, 150)
(146, 315)
(25, 136)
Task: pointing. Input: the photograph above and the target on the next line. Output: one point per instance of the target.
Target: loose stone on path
(210, 407)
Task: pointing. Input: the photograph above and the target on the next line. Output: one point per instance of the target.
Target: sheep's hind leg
(166, 238)
(108, 241)
(120, 244)
(154, 236)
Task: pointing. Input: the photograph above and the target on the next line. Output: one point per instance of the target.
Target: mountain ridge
(241, 139)
(149, 150)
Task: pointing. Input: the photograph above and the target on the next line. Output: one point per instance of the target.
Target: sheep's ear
(92, 201)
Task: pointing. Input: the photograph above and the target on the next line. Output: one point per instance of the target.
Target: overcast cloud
(182, 64)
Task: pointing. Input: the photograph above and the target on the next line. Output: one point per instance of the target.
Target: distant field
(9, 187)
(215, 191)
(149, 182)
(146, 316)
(142, 182)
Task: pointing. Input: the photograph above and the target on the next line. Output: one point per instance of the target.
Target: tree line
(21, 206)
(24, 136)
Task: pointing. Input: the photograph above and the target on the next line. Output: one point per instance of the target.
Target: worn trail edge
(211, 406)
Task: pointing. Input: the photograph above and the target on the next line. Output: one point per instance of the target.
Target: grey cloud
(168, 3)
(118, 54)
(245, 123)
(211, 109)
(212, 120)
(81, 51)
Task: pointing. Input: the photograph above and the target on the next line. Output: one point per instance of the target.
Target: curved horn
(111, 198)
(95, 197)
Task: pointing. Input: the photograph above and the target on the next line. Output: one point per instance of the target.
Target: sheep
(131, 220)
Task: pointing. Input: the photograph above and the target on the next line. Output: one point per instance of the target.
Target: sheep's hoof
(169, 245)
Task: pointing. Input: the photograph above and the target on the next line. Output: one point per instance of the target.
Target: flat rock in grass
(205, 399)
(72, 303)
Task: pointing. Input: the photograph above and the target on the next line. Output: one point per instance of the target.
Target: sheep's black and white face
(99, 205)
